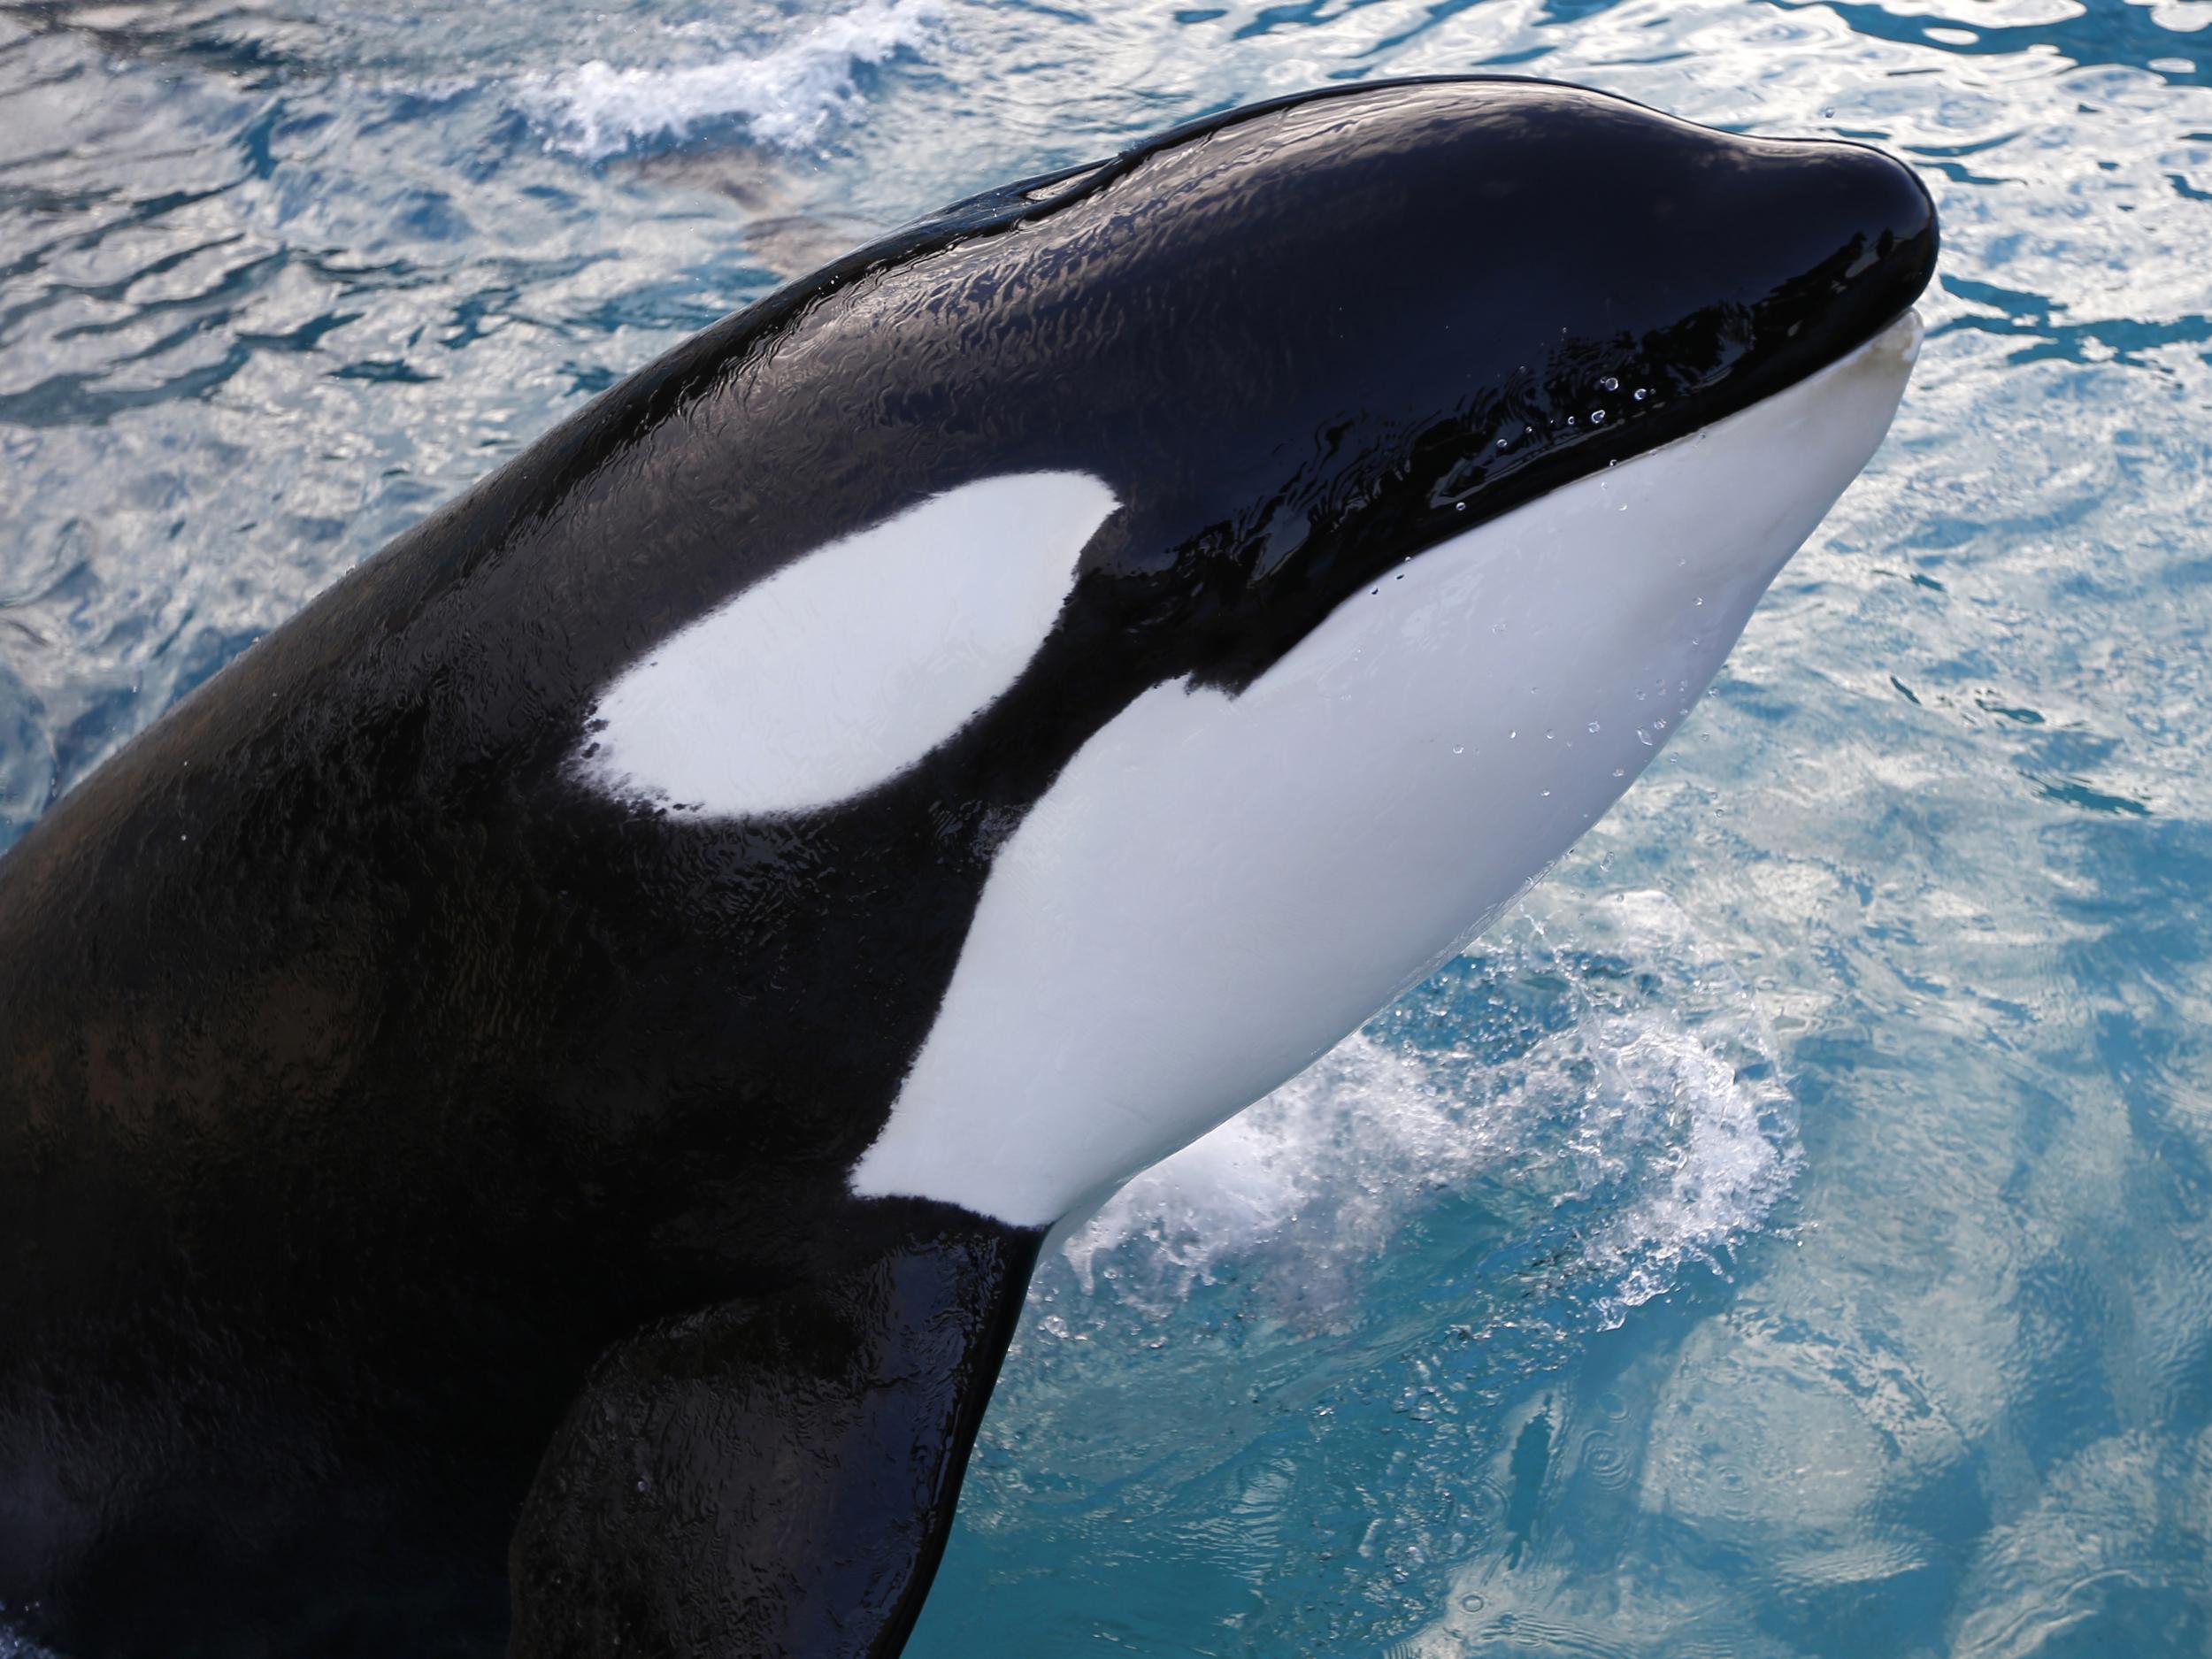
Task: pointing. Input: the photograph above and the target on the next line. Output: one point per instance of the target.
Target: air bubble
(1594, 727)
(1597, 417)
(1641, 393)
(1611, 384)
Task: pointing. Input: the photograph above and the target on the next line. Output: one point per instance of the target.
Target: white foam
(1655, 1110)
(786, 97)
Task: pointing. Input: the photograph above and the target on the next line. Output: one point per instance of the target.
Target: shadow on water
(2103, 34)
(2011, 313)
(220, 36)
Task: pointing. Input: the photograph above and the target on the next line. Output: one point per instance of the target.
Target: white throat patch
(845, 667)
(1217, 889)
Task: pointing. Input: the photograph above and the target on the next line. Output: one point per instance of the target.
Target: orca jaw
(1218, 887)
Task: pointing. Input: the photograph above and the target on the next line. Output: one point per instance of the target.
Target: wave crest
(786, 97)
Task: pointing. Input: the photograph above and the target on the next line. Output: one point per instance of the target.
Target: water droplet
(1594, 725)
(1597, 417)
(1547, 794)
(1618, 771)
(1701, 599)
(1641, 393)
(1459, 749)
(1547, 734)
(1513, 734)
(1459, 506)
(1611, 384)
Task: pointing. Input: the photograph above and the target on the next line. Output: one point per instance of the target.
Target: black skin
(424, 1219)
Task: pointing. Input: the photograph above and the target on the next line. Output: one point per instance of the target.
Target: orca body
(528, 1102)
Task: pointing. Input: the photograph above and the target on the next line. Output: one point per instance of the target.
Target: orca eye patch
(850, 664)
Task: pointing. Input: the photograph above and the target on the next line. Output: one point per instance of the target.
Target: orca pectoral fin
(775, 1478)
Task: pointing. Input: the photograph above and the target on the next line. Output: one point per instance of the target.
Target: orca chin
(529, 1100)
(1388, 786)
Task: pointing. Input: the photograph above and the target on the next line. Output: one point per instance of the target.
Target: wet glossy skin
(367, 1080)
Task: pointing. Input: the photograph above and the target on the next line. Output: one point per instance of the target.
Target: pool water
(1790, 1233)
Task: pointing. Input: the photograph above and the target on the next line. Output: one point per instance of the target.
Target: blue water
(1791, 1232)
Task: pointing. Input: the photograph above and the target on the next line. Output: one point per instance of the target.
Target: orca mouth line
(1900, 338)
(1902, 335)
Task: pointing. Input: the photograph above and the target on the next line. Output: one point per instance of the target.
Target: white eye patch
(847, 665)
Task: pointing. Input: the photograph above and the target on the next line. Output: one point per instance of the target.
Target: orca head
(1463, 424)
(1233, 571)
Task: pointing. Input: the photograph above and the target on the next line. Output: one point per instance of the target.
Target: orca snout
(1895, 229)
(1860, 230)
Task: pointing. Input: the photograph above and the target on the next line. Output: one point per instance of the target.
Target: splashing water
(1627, 1076)
(785, 96)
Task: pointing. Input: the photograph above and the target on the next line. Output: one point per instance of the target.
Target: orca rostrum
(529, 1102)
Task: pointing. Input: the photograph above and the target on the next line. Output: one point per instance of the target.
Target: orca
(528, 1102)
